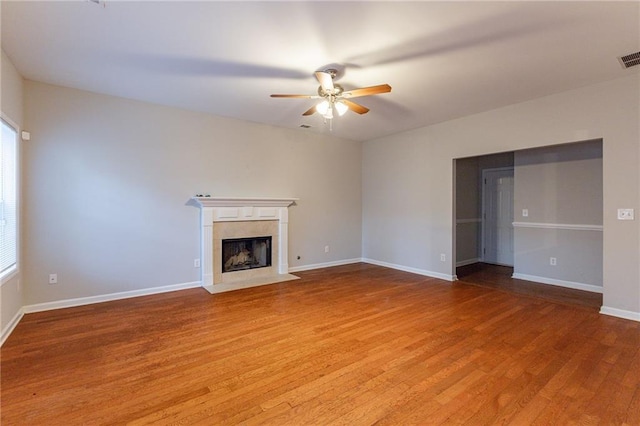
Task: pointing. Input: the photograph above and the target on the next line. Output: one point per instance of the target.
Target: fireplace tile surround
(235, 217)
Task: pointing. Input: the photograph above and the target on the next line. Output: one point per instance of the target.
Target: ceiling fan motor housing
(337, 91)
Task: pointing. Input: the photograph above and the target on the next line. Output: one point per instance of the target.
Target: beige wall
(407, 178)
(108, 180)
(11, 104)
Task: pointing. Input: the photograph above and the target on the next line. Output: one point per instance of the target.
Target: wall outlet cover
(625, 214)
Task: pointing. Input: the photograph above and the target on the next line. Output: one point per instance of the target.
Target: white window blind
(8, 198)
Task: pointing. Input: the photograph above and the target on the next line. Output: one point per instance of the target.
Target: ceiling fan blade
(325, 81)
(355, 107)
(310, 111)
(296, 96)
(366, 91)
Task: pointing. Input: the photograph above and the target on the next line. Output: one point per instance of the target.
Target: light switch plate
(625, 214)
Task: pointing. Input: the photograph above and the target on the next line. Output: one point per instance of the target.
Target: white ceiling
(443, 59)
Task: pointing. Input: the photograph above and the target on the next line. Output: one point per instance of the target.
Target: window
(8, 199)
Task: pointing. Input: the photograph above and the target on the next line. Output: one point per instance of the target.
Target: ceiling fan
(335, 97)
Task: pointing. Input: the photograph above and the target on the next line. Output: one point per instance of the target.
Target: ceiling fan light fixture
(341, 107)
(332, 96)
(323, 107)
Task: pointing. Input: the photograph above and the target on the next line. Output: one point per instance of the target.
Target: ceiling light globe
(323, 107)
(341, 107)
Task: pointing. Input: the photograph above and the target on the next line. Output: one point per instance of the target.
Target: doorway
(535, 217)
(497, 216)
(470, 208)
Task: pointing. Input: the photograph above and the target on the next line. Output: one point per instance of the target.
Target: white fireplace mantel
(243, 202)
(238, 209)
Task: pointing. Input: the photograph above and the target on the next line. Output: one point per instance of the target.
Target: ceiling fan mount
(332, 72)
(333, 96)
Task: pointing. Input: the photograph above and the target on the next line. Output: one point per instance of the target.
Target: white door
(497, 219)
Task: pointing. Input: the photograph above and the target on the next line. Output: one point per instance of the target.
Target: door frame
(483, 208)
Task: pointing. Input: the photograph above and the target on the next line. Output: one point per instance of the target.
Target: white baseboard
(68, 303)
(374, 262)
(559, 283)
(410, 269)
(8, 329)
(467, 262)
(620, 313)
(324, 265)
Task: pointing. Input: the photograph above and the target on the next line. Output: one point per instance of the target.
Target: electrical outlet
(525, 212)
(196, 263)
(53, 278)
(326, 249)
(443, 257)
(553, 261)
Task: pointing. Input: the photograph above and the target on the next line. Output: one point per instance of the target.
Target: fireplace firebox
(240, 254)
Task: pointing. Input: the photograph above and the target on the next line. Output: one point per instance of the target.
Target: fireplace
(239, 254)
(256, 230)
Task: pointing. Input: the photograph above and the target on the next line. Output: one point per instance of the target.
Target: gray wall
(559, 186)
(11, 105)
(107, 181)
(468, 210)
(408, 192)
(495, 161)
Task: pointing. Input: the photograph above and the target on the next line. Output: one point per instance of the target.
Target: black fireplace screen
(239, 254)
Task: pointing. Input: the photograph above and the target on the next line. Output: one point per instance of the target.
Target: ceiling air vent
(630, 60)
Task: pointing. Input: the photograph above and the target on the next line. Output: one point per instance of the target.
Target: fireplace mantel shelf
(243, 201)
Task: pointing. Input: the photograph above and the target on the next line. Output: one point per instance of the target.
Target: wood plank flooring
(499, 278)
(356, 344)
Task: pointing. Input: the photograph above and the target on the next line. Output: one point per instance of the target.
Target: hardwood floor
(356, 344)
(499, 278)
